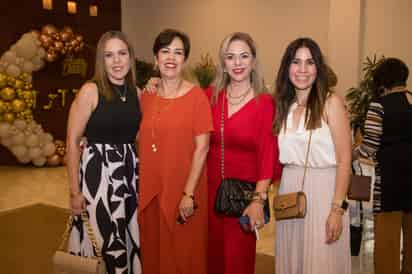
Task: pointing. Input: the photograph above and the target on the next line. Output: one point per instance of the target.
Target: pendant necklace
(157, 111)
(122, 93)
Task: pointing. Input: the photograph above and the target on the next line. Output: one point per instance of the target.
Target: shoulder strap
(89, 231)
(306, 159)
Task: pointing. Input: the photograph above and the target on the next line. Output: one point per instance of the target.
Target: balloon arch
(19, 132)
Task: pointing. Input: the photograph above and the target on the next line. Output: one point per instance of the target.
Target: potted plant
(358, 98)
(204, 71)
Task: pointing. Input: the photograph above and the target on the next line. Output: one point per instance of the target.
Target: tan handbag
(66, 263)
(292, 205)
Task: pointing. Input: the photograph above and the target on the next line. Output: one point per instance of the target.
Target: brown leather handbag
(292, 205)
(67, 263)
(360, 187)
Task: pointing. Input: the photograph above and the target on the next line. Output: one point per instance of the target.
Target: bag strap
(222, 135)
(89, 231)
(306, 159)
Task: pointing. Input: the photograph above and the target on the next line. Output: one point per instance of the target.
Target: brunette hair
(285, 93)
(166, 37)
(391, 73)
(100, 74)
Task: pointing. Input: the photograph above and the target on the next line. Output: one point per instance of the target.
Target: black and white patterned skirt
(108, 180)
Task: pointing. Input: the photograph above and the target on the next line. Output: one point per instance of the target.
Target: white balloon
(18, 139)
(39, 161)
(13, 70)
(26, 48)
(34, 152)
(19, 150)
(4, 129)
(9, 57)
(6, 141)
(32, 140)
(28, 67)
(13, 130)
(25, 159)
(20, 124)
(48, 137)
(41, 53)
(49, 149)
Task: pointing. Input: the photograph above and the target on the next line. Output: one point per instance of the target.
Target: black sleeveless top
(115, 122)
(395, 152)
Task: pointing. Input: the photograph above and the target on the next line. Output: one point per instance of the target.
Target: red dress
(251, 153)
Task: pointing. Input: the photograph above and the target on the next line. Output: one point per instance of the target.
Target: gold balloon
(79, 38)
(3, 106)
(58, 45)
(66, 36)
(7, 94)
(18, 105)
(51, 56)
(48, 29)
(8, 117)
(53, 160)
(3, 80)
(45, 40)
(19, 84)
(68, 30)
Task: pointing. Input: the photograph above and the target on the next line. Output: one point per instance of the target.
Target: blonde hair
(100, 74)
(222, 79)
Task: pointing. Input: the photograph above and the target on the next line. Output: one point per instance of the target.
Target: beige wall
(388, 30)
(273, 24)
(347, 31)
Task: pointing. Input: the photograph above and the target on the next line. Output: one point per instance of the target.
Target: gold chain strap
(89, 230)
(306, 159)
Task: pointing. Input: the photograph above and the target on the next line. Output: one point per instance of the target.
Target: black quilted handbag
(234, 195)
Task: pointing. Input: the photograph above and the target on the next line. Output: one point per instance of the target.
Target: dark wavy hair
(165, 38)
(285, 93)
(391, 73)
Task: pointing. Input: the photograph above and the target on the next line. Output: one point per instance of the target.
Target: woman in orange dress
(173, 144)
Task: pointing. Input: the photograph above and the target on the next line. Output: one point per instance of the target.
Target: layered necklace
(237, 99)
(158, 111)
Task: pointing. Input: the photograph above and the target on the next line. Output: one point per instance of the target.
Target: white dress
(300, 243)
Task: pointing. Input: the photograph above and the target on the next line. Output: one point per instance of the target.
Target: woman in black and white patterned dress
(103, 176)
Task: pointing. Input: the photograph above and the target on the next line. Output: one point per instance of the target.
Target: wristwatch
(341, 204)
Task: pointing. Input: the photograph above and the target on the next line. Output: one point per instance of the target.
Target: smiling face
(170, 59)
(302, 70)
(238, 61)
(116, 60)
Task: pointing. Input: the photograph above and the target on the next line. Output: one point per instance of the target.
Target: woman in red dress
(250, 151)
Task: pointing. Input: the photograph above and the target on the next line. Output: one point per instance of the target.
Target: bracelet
(74, 194)
(260, 201)
(191, 196)
(338, 210)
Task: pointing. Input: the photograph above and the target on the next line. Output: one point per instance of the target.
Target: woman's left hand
(256, 217)
(186, 207)
(333, 227)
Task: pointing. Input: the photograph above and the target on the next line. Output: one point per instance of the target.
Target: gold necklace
(157, 111)
(240, 98)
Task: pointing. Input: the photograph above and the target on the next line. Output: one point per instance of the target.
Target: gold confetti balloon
(3, 106)
(18, 105)
(7, 93)
(9, 117)
(3, 80)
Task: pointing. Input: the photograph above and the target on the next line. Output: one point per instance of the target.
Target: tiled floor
(22, 186)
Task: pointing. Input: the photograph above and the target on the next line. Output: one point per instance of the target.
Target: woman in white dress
(318, 243)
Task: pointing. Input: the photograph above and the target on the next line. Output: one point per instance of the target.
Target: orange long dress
(170, 126)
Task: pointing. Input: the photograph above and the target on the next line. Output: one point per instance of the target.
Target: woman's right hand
(77, 203)
(152, 85)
